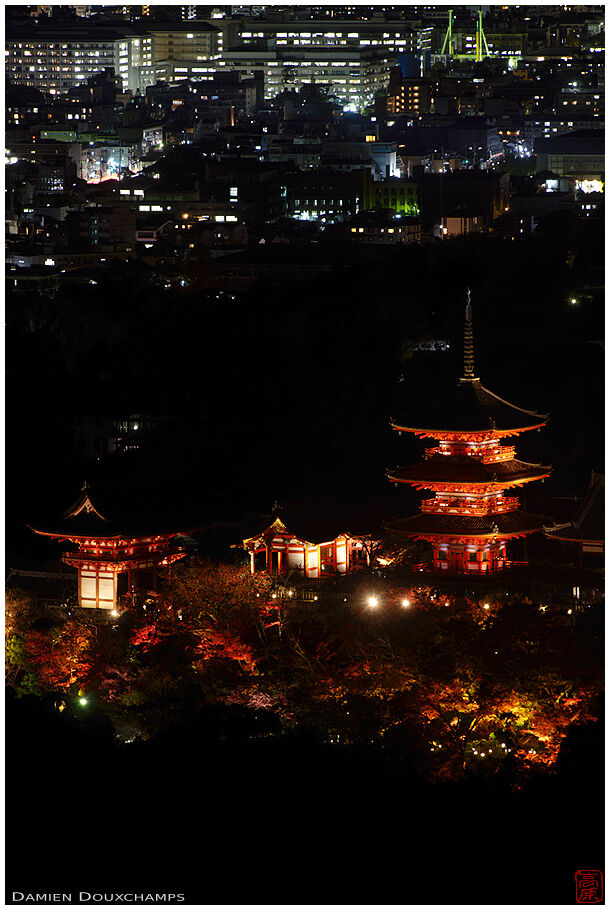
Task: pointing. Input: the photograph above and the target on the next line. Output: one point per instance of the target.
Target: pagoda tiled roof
(468, 469)
(589, 521)
(503, 523)
(318, 523)
(469, 407)
(114, 511)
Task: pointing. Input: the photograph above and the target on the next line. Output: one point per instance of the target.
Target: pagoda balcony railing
(500, 453)
(153, 558)
(458, 507)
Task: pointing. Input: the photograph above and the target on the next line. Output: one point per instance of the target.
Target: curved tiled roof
(113, 511)
(467, 469)
(470, 407)
(588, 524)
(317, 523)
(506, 523)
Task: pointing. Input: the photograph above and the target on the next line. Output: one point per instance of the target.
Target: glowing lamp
(486, 606)
(82, 700)
(406, 603)
(114, 613)
(274, 596)
(373, 602)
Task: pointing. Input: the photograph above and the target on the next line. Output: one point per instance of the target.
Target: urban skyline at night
(305, 461)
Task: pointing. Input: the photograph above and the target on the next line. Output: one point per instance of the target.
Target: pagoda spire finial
(468, 342)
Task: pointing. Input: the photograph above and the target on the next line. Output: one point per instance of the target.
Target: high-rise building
(55, 58)
(352, 75)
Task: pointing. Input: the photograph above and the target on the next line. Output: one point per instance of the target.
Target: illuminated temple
(469, 519)
(119, 543)
(311, 542)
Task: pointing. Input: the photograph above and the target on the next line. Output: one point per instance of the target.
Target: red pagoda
(115, 535)
(469, 519)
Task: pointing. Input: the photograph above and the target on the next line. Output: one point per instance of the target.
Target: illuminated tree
(450, 683)
(224, 595)
(61, 657)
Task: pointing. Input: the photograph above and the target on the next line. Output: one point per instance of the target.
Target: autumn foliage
(458, 685)
(62, 658)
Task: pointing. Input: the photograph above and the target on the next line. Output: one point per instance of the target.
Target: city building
(406, 95)
(170, 52)
(469, 520)
(105, 227)
(352, 75)
(396, 193)
(56, 57)
(325, 194)
(384, 227)
(397, 35)
(579, 155)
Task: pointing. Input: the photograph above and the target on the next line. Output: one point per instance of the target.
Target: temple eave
(460, 535)
(481, 486)
(493, 524)
(467, 434)
(428, 481)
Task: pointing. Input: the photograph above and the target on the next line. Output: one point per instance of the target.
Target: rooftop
(469, 407)
(466, 469)
(115, 511)
(588, 523)
(317, 523)
(505, 524)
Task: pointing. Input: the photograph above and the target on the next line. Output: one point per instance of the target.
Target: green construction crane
(449, 36)
(482, 49)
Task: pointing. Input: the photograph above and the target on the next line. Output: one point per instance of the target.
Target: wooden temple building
(119, 543)
(586, 530)
(469, 519)
(310, 543)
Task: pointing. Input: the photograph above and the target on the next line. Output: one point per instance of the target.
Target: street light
(406, 603)
(373, 602)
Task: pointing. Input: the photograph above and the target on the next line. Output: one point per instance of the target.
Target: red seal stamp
(589, 886)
